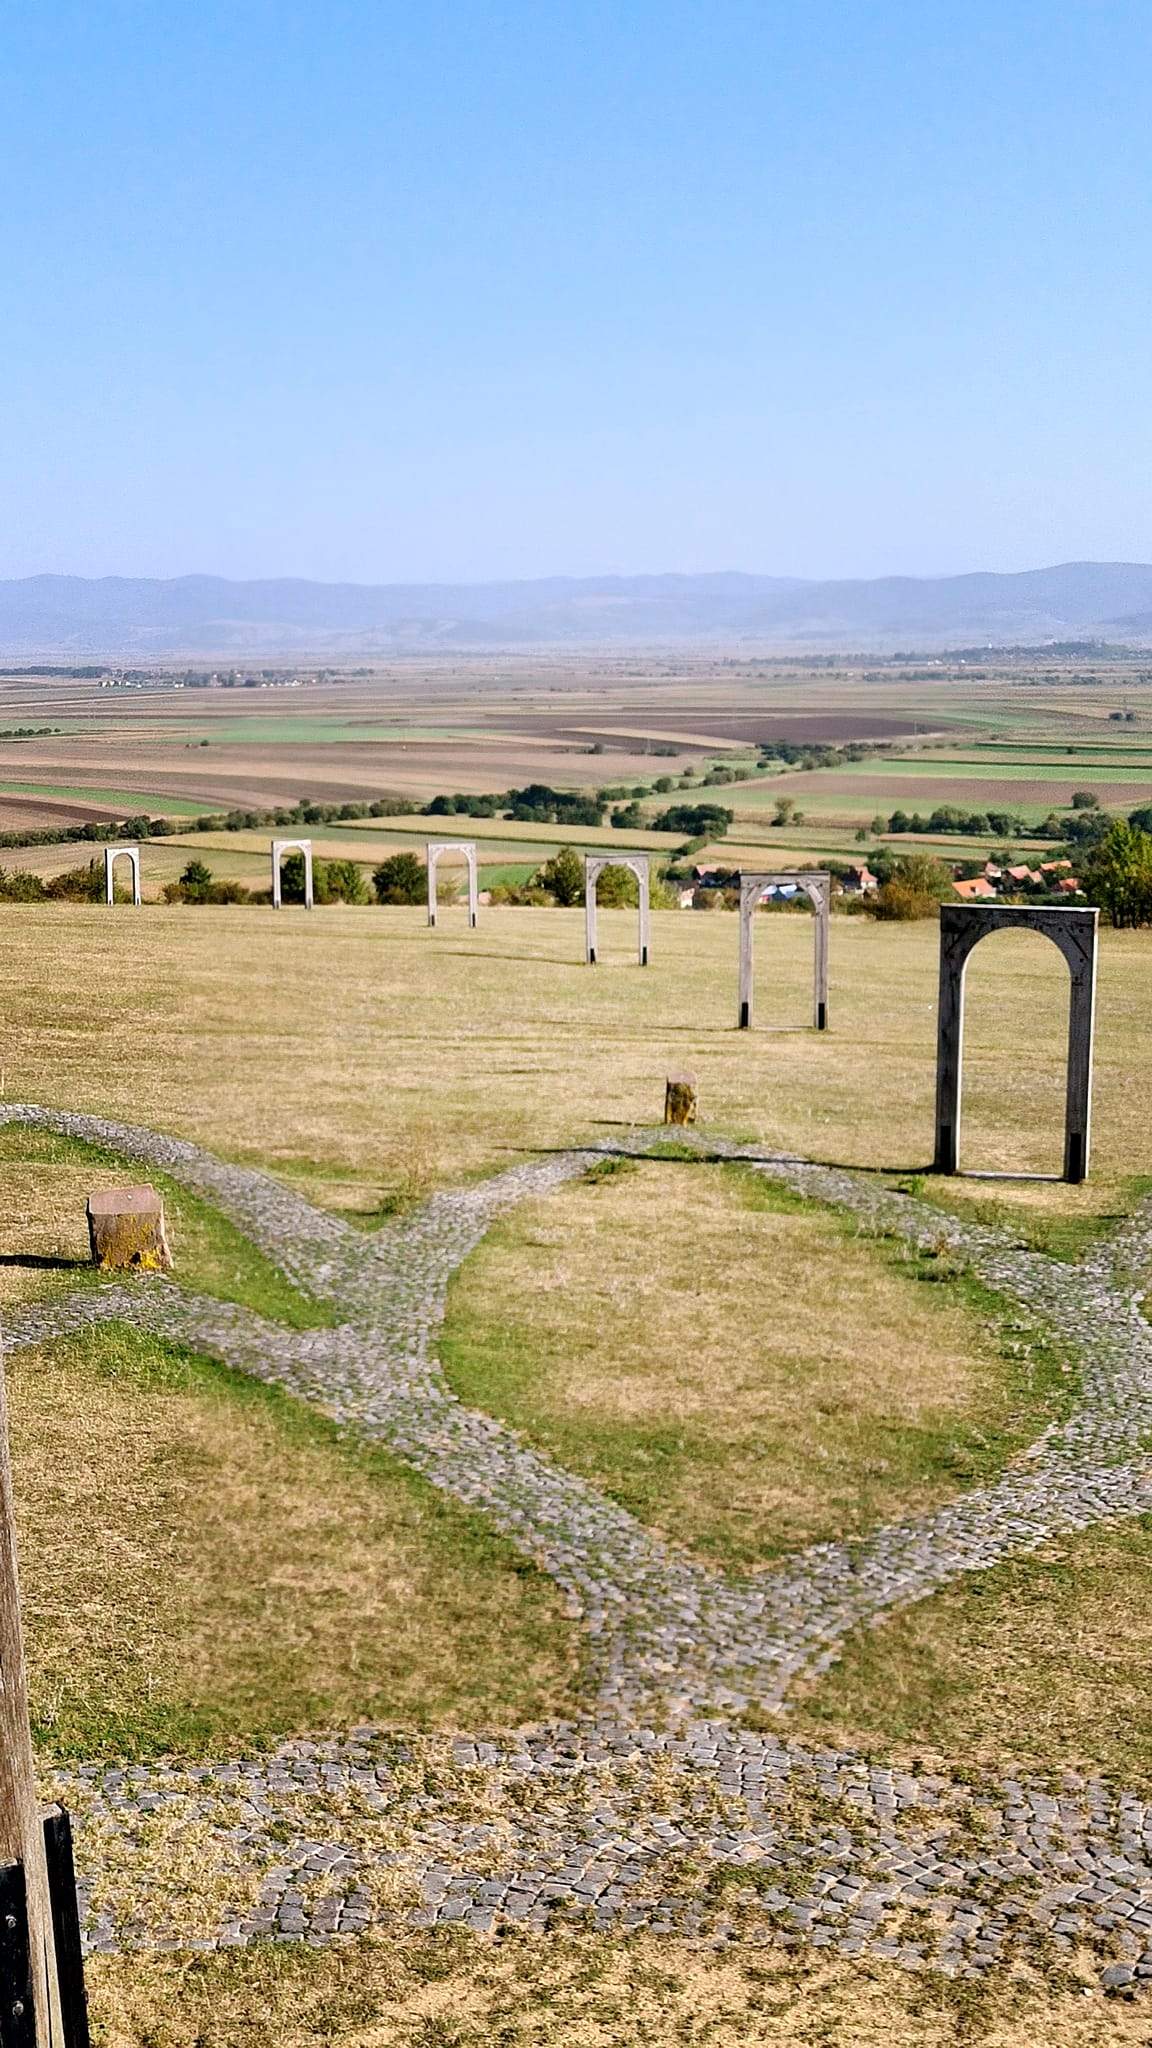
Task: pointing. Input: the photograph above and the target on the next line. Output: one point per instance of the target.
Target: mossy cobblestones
(749, 1836)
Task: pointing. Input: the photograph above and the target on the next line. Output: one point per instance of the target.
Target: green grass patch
(209, 1566)
(1059, 1234)
(1039, 1662)
(47, 1178)
(737, 1367)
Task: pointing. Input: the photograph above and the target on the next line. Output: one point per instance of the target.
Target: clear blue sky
(477, 288)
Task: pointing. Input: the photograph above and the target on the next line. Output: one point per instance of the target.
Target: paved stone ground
(655, 1811)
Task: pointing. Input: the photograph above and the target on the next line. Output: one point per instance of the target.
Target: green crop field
(132, 800)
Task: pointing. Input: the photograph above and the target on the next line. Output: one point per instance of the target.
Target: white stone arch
(594, 865)
(434, 850)
(279, 848)
(817, 886)
(1074, 931)
(111, 855)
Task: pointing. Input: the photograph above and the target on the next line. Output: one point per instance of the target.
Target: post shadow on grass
(45, 1262)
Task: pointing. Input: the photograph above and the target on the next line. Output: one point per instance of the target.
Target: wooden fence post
(21, 1822)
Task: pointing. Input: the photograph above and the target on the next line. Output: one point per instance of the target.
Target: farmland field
(1020, 736)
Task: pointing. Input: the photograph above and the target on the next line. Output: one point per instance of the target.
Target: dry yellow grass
(205, 1566)
(325, 1041)
(738, 1369)
(1041, 1662)
(582, 1991)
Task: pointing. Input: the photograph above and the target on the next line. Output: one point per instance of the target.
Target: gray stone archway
(817, 886)
(594, 865)
(111, 855)
(279, 848)
(433, 851)
(1074, 931)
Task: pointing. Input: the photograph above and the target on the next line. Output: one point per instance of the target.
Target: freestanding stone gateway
(434, 850)
(126, 1228)
(817, 886)
(111, 855)
(962, 926)
(279, 848)
(594, 864)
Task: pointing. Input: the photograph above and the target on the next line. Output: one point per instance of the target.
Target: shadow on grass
(45, 1262)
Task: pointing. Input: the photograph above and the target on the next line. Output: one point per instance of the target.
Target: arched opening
(1017, 996)
(1027, 1006)
(279, 848)
(132, 855)
(594, 867)
(435, 852)
(785, 888)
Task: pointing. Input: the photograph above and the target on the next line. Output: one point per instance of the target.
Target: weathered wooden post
(42, 2002)
(21, 1824)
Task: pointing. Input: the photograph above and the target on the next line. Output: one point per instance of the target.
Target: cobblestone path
(838, 1851)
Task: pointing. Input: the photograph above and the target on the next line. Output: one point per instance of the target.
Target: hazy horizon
(715, 572)
(196, 613)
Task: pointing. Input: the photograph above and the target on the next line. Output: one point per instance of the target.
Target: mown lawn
(1041, 1662)
(349, 1040)
(208, 1566)
(738, 1368)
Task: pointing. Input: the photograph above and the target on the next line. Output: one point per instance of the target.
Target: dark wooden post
(21, 1824)
(949, 1043)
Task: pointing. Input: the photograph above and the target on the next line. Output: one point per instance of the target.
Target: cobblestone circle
(787, 1843)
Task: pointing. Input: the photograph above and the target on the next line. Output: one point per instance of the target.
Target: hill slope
(75, 616)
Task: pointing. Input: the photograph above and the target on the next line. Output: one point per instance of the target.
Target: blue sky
(455, 290)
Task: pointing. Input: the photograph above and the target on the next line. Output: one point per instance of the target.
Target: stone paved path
(674, 1645)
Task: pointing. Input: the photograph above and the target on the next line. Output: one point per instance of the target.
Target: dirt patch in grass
(1040, 1662)
(207, 1566)
(737, 1368)
(582, 1991)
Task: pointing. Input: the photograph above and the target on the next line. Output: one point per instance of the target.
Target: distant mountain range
(74, 617)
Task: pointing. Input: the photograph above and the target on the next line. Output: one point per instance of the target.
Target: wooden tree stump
(680, 1099)
(126, 1228)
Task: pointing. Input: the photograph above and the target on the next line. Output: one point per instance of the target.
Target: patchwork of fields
(1021, 742)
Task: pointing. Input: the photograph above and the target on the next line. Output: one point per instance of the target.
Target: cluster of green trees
(536, 804)
(75, 885)
(912, 885)
(694, 821)
(560, 881)
(197, 885)
(785, 812)
(816, 753)
(1118, 873)
(953, 818)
